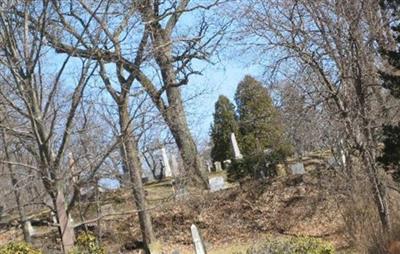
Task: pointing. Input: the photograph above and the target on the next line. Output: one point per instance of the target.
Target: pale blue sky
(218, 79)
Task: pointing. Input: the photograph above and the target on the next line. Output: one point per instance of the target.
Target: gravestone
(227, 163)
(280, 170)
(216, 183)
(54, 218)
(297, 169)
(236, 150)
(197, 240)
(217, 166)
(29, 228)
(167, 167)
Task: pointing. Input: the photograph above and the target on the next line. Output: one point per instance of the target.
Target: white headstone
(174, 165)
(54, 218)
(198, 242)
(216, 183)
(342, 153)
(217, 166)
(167, 167)
(235, 146)
(29, 228)
(297, 169)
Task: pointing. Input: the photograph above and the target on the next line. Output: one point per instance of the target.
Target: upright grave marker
(235, 146)
(297, 169)
(197, 240)
(167, 167)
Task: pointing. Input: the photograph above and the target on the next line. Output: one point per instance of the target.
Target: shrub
(18, 248)
(257, 165)
(293, 245)
(87, 244)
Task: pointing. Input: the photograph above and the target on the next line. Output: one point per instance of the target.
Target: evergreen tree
(224, 124)
(259, 122)
(260, 128)
(391, 81)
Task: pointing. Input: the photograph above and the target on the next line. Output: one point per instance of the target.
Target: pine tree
(224, 124)
(259, 122)
(391, 81)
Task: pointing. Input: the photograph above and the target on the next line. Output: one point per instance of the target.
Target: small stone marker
(167, 167)
(280, 170)
(216, 183)
(227, 163)
(217, 166)
(29, 228)
(54, 218)
(236, 150)
(297, 169)
(197, 240)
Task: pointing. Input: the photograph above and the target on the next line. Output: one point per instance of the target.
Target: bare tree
(130, 152)
(144, 42)
(305, 124)
(36, 98)
(334, 42)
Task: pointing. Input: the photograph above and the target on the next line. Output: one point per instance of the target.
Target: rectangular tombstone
(218, 166)
(297, 169)
(216, 183)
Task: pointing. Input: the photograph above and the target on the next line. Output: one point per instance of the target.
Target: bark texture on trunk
(132, 162)
(16, 190)
(173, 113)
(176, 120)
(65, 225)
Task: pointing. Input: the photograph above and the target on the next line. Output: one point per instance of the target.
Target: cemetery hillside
(200, 126)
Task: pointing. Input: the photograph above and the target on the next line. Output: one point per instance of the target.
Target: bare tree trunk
(379, 192)
(177, 123)
(16, 189)
(132, 163)
(65, 225)
(174, 115)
